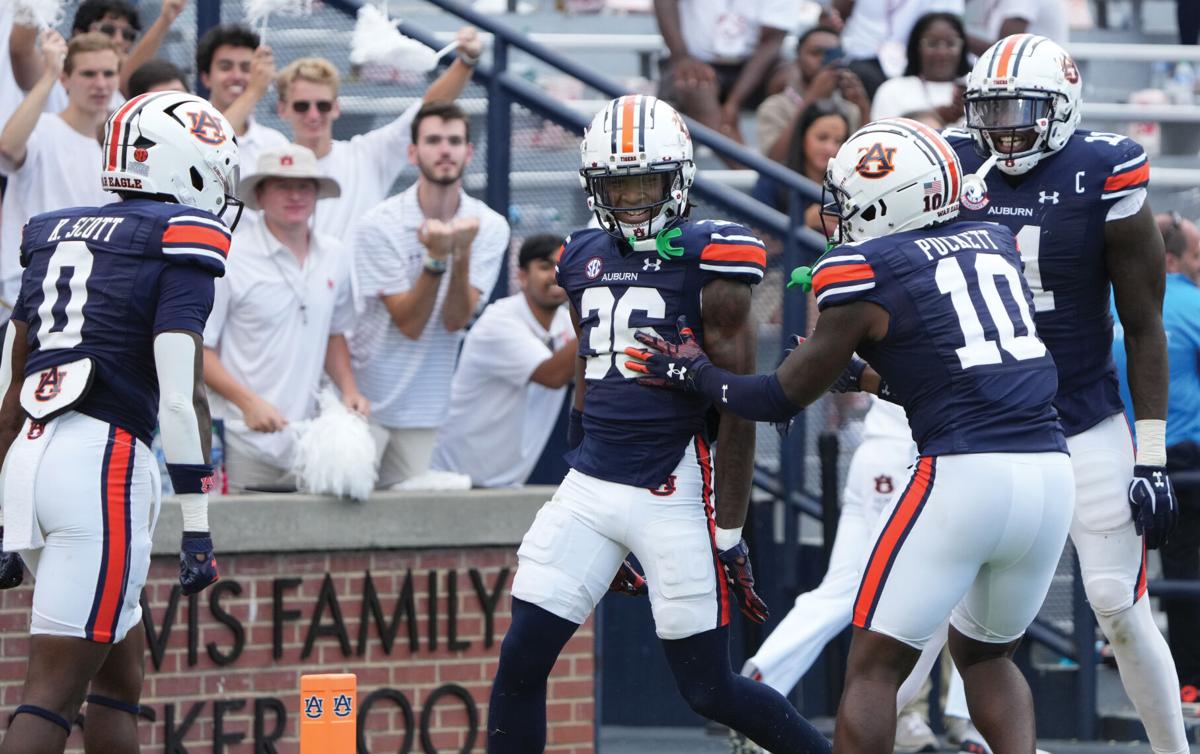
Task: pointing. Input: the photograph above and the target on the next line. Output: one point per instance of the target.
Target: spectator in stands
(237, 71)
(54, 161)
(1003, 18)
(721, 56)
(157, 76)
(278, 321)
(877, 31)
(425, 262)
(820, 129)
(819, 72)
(366, 166)
(512, 377)
(933, 80)
(1181, 553)
(117, 19)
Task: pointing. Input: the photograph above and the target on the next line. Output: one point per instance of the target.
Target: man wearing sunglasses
(117, 19)
(365, 166)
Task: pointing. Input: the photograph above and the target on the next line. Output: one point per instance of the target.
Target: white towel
(21, 530)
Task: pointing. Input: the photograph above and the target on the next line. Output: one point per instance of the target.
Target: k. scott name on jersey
(87, 228)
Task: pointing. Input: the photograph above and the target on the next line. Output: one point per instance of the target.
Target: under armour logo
(724, 394)
(1045, 198)
(651, 265)
(674, 373)
(1158, 479)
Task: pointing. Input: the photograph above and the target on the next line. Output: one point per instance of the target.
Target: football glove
(736, 562)
(12, 568)
(672, 365)
(629, 581)
(197, 563)
(1153, 504)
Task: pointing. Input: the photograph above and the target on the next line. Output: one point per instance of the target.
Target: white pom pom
(258, 10)
(377, 40)
(44, 14)
(335, 454)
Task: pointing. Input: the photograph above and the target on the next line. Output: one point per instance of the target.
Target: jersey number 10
(978, 349)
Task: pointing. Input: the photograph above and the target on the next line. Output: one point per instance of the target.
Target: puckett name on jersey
(978, 240)
(634, 434)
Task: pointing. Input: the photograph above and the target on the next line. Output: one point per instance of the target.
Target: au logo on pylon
(328, 713)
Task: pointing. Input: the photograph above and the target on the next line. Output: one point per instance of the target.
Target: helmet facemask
(635, 205)
(1014, 127)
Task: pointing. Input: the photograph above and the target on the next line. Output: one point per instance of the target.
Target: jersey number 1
(64, 292)
(978, 350)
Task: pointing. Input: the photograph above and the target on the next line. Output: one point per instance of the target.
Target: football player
(1076, 201)
(644, 475)
(105, 341)
(940, 310)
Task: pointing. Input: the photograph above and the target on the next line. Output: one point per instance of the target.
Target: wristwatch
(435, 266)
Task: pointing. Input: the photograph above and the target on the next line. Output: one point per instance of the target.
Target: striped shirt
(408, 381)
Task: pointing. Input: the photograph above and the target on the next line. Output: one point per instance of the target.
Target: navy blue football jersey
(634, 434)
(962, 353)
(1057, 212)
(101, 282)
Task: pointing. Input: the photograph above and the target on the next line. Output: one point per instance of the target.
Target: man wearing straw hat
(278, 320)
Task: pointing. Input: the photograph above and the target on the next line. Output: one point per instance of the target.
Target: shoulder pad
(194, 237)
(731, 250)
(1123, 159)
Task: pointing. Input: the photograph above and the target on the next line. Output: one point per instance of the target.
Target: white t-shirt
(727, 31)
(365, 167)
(909, 94)
(257, 139)
(880, 28)
(408, 381)
(499, 421)
(1046, 19)
(264, 338)
(61, 169)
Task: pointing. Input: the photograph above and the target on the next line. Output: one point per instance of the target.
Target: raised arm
(450, 84)
(147, 47)
(14, 139)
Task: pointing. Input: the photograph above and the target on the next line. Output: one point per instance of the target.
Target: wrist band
(468, 60)
(435, 266)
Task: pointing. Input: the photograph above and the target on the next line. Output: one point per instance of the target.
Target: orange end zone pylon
(328, 713)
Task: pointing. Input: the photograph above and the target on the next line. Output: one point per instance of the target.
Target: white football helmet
(1023, 101)
(637, 168)
(174, 146)
(891, 176)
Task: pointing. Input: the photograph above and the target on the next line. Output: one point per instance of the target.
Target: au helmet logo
(207, 128)
(877, 161)
(1070, 70)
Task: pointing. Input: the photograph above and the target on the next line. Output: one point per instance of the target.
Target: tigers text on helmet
(637, 168)
(891, 176)
(1023, 101)
(174, 146)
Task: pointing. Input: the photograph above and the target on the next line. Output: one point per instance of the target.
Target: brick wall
(223, 667)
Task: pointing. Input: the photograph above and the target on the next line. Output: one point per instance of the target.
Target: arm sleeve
(514, 352)
(185, 299)
(487, 253)
(382, 269)
(758, 397)
(842, 277)
(1130, 171)
(376, 151)
(732, 251)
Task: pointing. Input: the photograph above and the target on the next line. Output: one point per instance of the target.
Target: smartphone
(832, 56)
